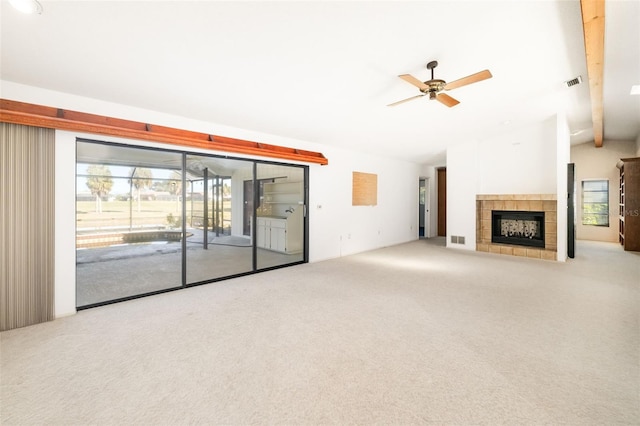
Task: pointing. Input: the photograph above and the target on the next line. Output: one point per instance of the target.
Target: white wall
(563, 158)
(65, 224)
(520, 161)
(638, 146)
(600, 163)
(463, 183)
(336, 227)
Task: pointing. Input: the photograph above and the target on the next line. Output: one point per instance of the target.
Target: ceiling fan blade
(412, 80)
(447, 100)
(405, 100)
(473, 78)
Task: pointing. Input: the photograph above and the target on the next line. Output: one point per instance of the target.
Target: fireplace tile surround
(547, 203)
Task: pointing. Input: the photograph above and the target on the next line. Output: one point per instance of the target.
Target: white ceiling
(324, 71)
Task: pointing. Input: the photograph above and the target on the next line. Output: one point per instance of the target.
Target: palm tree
(99, 183)
(140, 178)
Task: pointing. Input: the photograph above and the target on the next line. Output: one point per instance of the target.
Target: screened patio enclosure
(152, 220)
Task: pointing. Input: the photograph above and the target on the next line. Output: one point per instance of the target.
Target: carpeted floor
(409, 334)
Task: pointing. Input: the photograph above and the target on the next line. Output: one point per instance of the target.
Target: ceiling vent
(573, 82)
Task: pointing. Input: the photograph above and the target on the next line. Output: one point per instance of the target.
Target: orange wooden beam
(593, 27)
(56, 118)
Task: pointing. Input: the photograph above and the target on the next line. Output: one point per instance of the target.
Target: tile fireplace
(517, 224)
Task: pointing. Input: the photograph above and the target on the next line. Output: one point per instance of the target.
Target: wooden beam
(57, 118)
(593, 28)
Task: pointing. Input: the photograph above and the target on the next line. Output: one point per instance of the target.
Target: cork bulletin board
(365, 189)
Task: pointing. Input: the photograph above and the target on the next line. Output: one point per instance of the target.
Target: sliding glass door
(280, 215)
(128, 231)
(216, 244)
(151, 220)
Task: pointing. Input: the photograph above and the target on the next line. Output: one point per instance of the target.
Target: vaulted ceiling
(325, 72)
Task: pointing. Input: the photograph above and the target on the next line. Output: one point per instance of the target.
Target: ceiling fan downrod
(431, 65)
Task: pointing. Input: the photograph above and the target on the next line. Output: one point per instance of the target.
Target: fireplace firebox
(522, 228)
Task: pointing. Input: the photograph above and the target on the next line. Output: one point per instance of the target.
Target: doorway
(423, 209)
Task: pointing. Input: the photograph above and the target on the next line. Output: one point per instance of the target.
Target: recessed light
(635, 89)
(27, 6)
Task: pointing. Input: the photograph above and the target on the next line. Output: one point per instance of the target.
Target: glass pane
(595, 197)
(128, 233)
(595, 185)
(280, 215)
(219, 214)
(595, 202)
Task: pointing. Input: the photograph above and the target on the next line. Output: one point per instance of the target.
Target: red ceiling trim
(61, 119)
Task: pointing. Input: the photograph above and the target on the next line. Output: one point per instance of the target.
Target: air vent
(573, 82)
(457, 239)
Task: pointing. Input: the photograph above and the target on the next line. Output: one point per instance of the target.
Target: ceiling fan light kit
(32, 7)
(434, 86)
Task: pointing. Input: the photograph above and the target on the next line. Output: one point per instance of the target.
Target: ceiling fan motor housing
(434, 86)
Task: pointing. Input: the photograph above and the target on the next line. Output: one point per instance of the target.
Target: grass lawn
(115, 214)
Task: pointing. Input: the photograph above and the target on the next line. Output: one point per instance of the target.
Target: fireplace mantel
(546, 203)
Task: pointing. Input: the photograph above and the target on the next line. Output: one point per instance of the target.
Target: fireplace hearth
(524, 228)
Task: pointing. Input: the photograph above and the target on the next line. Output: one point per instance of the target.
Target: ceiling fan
(434, 87)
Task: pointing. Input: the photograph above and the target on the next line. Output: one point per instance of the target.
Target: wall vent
(457, 239)
(573, 82)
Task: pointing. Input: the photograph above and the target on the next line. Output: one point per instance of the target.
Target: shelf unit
(629, 203)
(280, 196)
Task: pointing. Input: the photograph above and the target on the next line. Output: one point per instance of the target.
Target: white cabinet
(272, 234)
(280, 234)
(261, 233)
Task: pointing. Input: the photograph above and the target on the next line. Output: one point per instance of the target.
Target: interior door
(421, 209)
(571, 210)
(442, 202)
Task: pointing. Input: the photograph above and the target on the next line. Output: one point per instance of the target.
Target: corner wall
(520, 161)
(600, 163)
(531, 159)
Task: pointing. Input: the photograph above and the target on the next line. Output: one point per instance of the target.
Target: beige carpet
(410, 334)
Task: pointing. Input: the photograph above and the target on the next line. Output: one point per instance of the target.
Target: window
(595, 202)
